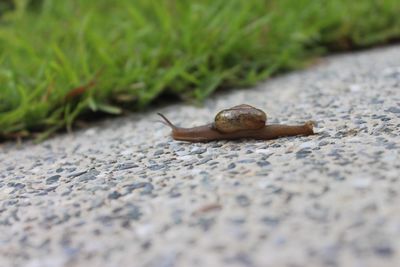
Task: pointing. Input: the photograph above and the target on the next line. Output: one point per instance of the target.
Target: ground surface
(124, 194)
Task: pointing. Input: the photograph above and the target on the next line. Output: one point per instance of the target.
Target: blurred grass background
(63, 60)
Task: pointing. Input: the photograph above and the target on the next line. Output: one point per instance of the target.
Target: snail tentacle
(166, 121)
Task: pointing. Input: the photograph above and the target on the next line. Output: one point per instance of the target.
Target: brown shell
(238, 118)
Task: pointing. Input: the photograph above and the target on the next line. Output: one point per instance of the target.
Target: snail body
(238, 122)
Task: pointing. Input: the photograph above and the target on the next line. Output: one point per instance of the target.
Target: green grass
(61, 60)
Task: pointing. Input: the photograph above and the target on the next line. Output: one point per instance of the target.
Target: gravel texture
(123, 193)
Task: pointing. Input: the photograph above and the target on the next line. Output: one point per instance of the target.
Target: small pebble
(53, 179)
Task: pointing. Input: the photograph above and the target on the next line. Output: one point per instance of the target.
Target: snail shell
(238, 118)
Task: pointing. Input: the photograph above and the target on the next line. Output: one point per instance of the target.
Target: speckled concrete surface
(124, 194)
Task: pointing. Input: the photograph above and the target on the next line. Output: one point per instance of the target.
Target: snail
(242, 121)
